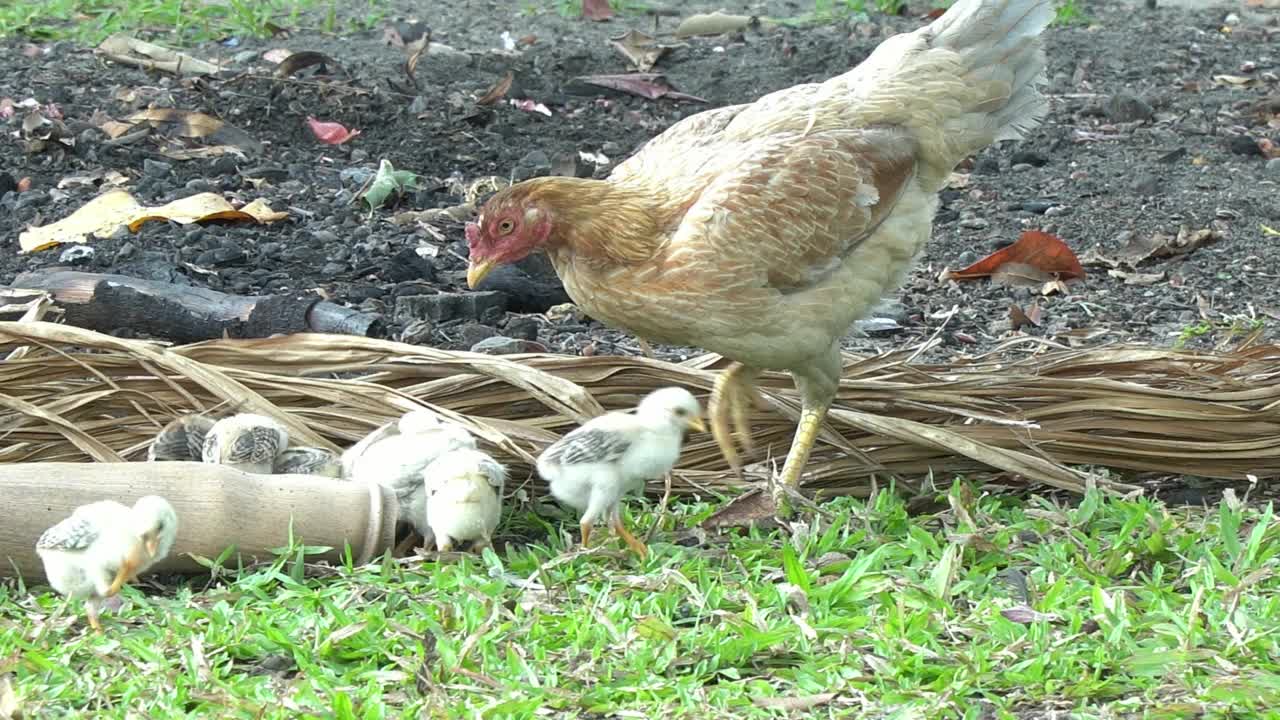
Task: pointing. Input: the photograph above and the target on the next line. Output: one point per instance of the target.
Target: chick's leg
(732, 396)
(128, 568)
(91, 611)
(615, 521)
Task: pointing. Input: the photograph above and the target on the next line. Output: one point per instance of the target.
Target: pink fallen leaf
(6, 108)
(645, 85)
(597, 10)
(531, 106)
(330, 133)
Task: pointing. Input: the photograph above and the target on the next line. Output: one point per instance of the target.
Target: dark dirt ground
(1141, 141)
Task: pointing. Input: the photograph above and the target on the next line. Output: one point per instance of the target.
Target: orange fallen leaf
(1037, 255)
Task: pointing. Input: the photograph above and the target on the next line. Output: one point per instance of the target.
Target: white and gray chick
(591, 468)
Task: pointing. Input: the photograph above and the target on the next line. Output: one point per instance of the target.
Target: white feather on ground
(395, 455)
(593, 467)
(247, 442)
(463, 497)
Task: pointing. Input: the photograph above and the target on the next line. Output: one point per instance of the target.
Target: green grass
(996, 608)
(177, 21)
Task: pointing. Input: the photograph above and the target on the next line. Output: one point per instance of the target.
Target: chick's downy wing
(75, 533)
(603, 440)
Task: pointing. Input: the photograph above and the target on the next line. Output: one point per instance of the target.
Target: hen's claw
(732, 396)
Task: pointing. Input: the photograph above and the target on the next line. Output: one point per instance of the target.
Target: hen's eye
(506, 226)
(680, 412)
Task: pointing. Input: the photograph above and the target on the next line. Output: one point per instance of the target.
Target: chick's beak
(476, 272)
(153, 544)
(696, 423)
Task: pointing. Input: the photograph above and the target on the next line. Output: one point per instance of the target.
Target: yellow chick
(396, 454)
(463, 497)
(103, 545)
(245, 441)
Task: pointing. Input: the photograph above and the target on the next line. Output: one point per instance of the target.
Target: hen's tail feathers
(960, 83)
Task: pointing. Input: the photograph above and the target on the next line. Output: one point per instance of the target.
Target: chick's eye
(680, 412)
(506, 226)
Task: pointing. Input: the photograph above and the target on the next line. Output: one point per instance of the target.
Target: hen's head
(511, 225)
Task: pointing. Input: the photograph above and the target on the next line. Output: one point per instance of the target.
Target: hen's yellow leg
(585, 527)
(731, 397)
(811, 416)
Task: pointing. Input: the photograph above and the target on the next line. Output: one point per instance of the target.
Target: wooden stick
(217, 507)
(184, 313)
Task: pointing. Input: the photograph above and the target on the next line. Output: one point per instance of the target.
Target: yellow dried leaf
(99, 217)
(102, 215)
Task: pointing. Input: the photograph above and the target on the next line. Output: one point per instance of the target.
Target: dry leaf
(1024, 615)
(1016, 274)
(640, 49)
(10, 708)
(101, 217)
(793, 704)
(716, 23)
(302, 60)
(597, 10)
(1159, 246)
(1137, 278)
(1235, 80)
(1035, 258)
(647, 85)
(128, 50)
(531, 106)
(187, 123)
(201, 153)
(498, 91)
(1021, 318)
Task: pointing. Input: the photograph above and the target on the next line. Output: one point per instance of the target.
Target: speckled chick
(246, 442)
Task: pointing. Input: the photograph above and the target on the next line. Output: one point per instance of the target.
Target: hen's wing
(793, 208)
(689, 140)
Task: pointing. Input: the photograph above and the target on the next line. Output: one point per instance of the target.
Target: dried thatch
(74, 395)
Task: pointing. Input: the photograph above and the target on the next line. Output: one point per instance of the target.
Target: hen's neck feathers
(603, 221)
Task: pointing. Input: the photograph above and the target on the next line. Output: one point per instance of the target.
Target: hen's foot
(811, 416)
(733, 395)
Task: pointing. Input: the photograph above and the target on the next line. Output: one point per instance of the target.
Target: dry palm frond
(73, 395)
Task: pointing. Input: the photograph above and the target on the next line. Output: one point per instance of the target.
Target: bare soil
(1146, 139)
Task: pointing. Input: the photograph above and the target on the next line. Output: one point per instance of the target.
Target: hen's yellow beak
(476, 272)
(695, 423)
(153, 544)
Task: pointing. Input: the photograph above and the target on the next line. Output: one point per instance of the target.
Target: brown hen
(762, 231)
